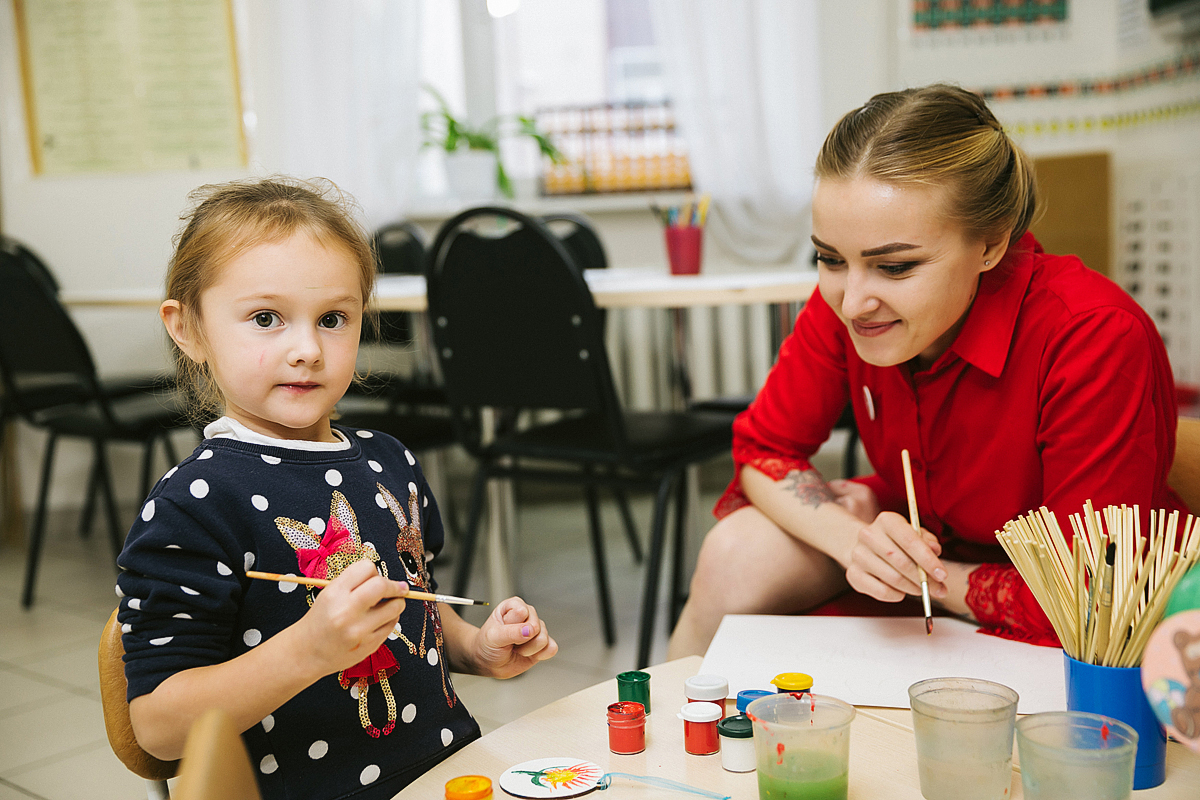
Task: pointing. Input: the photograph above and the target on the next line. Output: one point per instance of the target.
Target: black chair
(49, 379)
(515, 327)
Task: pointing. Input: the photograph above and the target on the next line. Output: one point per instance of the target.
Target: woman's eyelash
(897, 269)
(829, 261)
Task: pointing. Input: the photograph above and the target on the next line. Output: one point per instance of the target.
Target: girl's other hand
(352, 616)
(885, 559)
(512, 640)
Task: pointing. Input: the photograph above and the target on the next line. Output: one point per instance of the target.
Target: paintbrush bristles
(1067, 581)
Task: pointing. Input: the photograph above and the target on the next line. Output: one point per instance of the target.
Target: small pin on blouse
(870, 403)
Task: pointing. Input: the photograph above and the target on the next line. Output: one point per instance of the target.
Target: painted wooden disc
(1171, 675)
(551, 777)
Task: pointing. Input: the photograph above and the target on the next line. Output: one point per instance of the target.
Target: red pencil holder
(684, 247)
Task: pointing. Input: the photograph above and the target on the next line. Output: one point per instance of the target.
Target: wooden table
(883, 756)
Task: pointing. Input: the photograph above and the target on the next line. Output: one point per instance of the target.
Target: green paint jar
(634, 686)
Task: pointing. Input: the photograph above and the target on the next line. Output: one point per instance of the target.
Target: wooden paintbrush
(321, 583)
(915, 519)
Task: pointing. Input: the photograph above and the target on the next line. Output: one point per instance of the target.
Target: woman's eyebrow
(894, 247)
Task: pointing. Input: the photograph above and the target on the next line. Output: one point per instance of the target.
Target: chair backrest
(43, 357)
(399, 250)
(32, 263)
(579, 237)
(514, 323)
(113, 688)
(215, 764)
(1184, 477)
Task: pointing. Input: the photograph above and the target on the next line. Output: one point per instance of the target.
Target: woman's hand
(511, 640)
(352, 616)
(885, 559)
(855, 497)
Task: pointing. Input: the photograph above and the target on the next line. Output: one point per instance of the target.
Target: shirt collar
(985, 338)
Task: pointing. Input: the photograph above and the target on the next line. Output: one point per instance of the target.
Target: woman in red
(1015, 379)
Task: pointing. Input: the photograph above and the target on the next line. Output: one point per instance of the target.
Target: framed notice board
(130, 85)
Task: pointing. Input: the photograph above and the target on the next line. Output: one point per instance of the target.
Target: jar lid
(746, 696)
(736, 727)
(626, 710)
(706, 687)
(793, 682)
(469, 787)
(633, 676)
(700, 712)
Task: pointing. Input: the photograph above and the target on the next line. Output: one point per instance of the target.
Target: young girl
(343, 691)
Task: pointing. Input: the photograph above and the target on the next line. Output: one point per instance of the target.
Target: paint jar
(626, 728)
(802, 746)
(737, 743)
(707, 689)
(792, 683)
(964, 733)
(469, 787)
(1071, 755)
(1117, 692)
(700, 736)
(747, 696)
(634, 686)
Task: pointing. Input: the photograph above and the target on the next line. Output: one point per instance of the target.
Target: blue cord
(661, 783)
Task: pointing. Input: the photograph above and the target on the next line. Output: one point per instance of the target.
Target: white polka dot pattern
(260, 502)
(268, 764)
(364, 434)
(412, 487)
(170, 472)
(408, 713)
(199, 488)
(287, 587)
(252, 637)
(148, 511)
(207, 454)
(223, 570)
(249, 559)
(183, 615)
(333, 477)
(120, 592)
(126, 628)
(271, 459)
(369, 775)
(411, 460)
(174, 547)
(375, 465)
(268, 722)
(159, 642)
(318, 749)
(317, 524)
(447, 736)
(189, 590)
(379, 501)
(354, 691)
(135, 603)
(432, 656)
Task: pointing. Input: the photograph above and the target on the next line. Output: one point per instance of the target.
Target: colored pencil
(915, 519)
(321, 583)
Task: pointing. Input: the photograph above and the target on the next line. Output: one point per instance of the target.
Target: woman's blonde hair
(227, 219)
(938, 135)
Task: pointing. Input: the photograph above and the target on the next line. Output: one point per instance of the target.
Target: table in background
(883, 755)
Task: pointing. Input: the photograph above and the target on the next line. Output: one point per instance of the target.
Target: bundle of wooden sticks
(1106, 592)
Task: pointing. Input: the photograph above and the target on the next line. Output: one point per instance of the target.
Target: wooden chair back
(116, 709)
(215, 764)
(1184, 477)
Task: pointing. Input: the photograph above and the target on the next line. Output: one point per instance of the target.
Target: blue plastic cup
(1117, 692)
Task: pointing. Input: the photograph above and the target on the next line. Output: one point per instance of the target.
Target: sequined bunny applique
(326, 557)
(410, 546)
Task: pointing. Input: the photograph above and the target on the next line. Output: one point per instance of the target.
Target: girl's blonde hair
(227, 219)
(938, 135)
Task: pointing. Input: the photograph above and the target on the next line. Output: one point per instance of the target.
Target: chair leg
(679, 550)
(115, 534)
(169, 446)
(37, 534)
(653, 567)
(635, 544)
(88, 515)
(597, 536)
(462, 575)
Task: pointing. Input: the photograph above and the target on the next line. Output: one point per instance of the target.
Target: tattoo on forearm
(808, 487)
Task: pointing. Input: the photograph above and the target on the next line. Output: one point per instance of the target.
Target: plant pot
(471, 175)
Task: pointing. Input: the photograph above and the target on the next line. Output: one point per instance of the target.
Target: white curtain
(347, 76)
(746, 91)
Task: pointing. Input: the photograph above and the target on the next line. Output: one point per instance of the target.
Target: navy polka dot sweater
(232, 506)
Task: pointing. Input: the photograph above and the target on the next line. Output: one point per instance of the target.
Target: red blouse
(1056, 391)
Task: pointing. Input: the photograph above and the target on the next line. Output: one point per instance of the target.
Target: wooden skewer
(915, 519)
(321, 583)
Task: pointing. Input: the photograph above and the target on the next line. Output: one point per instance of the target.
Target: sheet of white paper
(871, 661)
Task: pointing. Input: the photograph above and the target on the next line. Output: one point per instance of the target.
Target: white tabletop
(611, 288)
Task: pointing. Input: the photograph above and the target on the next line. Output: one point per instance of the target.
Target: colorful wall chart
(130, 85)
(949, 14)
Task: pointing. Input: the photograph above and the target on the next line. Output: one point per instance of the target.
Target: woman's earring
(987, 263)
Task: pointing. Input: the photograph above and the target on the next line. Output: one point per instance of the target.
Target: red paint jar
(707, 689)
(626, 728)
(700, 736)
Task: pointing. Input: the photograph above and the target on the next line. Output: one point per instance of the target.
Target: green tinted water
(803, 775)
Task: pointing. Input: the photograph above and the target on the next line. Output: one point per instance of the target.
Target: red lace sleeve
(1003, 604)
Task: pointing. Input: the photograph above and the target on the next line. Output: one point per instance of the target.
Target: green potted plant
(473, 153)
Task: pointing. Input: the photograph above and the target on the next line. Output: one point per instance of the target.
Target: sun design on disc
(577, 776)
